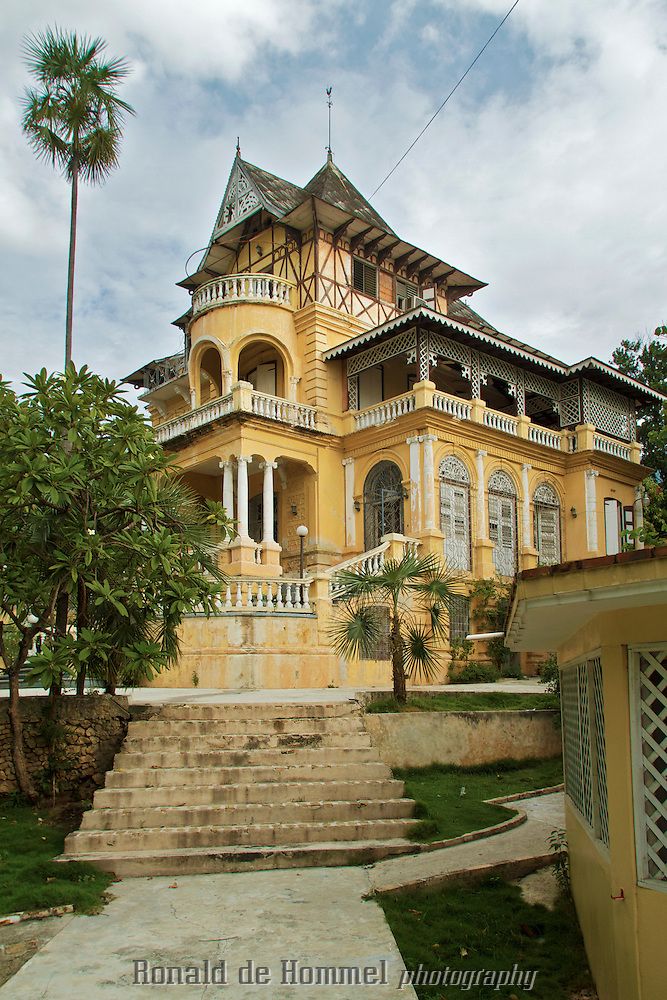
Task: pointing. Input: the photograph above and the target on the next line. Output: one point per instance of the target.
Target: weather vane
(329, 103)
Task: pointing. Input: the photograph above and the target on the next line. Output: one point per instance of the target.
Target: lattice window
(608, 410)
(541, 385)
(450, 349)
(648, 692)
(353, 393)
(577, 739)
(459, 616)
(570, 404)
(476, 376)
(381, 352)
(500, 369)
(502, 522)
(600, 748)
(546, 523)
(455, 512)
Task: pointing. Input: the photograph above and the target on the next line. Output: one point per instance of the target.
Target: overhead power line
(450, 94)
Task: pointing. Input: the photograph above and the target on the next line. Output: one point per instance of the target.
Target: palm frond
(355, 630)
(420, 655)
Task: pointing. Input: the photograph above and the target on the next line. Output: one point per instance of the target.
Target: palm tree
(73, 119)
(416, 592)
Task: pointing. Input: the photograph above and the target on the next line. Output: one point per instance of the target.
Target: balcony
(233, 289)
(242, 399)
(582, 438)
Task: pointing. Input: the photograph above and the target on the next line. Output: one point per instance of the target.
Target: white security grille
(459, 616)
(502, 522)
(576, 739)
(648, 692)
(455, 512)
(450, 349)
(382, 352)
(600, 750)
(570, 404)
(547, 525)
(608, 410)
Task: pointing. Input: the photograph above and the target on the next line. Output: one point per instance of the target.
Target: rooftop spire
(329, 104)
(238, 146)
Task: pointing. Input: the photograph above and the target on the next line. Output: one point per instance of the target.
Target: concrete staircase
(213, 788)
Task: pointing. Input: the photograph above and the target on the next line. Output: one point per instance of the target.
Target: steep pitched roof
(331, 185)
(274, 190)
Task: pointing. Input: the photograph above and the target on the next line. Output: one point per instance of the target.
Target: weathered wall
(417, 739)
(93, 728)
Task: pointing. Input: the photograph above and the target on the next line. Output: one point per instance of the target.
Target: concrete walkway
(314, 917)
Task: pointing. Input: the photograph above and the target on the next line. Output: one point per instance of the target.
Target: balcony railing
(235, 288)
(240, 399)
(501, 422)
(612, 447)
(265, 596)
(384, 413)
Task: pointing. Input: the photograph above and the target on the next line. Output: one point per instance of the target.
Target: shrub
(549, 675)
(476, 673)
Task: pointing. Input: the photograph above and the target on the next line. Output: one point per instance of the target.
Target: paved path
(314, 917)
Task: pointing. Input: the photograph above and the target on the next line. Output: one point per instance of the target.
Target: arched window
(546, 524)
(455, 512)
(502, 522)
(383, 503)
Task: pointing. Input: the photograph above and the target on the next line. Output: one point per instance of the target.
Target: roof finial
(329, 103)
(238, 146)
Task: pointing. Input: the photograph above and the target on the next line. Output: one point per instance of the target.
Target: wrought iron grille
(600, 751)
(383, 503)
(459, 616)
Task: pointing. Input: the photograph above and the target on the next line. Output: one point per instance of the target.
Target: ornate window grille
(547, 525)
(459, 616)
(577, 739)
(455, 512)
(648, 699)
(382, 648)
(383, 503)
(502, 522)
(600, 748)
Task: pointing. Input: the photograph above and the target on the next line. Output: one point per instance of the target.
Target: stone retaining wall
(90, 732)
(417, 739)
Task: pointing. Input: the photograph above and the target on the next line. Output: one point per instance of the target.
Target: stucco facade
(333, 377)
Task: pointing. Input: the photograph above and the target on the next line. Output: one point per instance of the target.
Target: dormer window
(365, 277)
(406, 295)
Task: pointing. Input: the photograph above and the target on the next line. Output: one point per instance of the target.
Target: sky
(544, 176)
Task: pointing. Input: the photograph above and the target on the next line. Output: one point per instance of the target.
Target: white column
(267, 501)
(348, 465)
(242, 497)
(193, 399)
(525, 469)
(293, 383)
(429, 482)
(415, 484)
(228, 487)
(226, 381)
(639, 515)
(591, 510)
(482, 531)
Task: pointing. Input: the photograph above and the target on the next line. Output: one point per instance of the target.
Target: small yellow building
(334, 377)
(607, 618)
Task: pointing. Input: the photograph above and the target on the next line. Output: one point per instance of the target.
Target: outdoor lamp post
(302, 531)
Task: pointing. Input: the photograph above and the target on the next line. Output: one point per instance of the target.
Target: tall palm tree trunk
(397, 664)
(70, 266)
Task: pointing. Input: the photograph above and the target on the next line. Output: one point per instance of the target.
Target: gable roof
(332, 186)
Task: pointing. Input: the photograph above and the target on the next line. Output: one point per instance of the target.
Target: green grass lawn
(448, 811)
(29, 878)
(488, 926)
(466, 701)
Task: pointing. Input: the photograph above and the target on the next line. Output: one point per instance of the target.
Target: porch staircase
(236, 787)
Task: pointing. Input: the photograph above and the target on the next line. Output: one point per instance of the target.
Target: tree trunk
(70, 266)
(81, 622)
(62, 614)
(398, 671)
(23, 779)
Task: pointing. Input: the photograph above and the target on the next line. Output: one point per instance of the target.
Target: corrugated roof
(332, 186)
(273, 190)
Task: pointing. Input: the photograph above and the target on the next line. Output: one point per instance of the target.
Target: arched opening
(210, 375)
(546, 525)
(455, 512)
(502, 522)
(383, 503)
(260, 364)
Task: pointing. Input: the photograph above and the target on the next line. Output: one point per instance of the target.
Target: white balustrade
(195, 418)
(611, 447)
(371, 562)
(384, 413)
(541, 435)
(275, 408)
(265, 596)
(501, 422)
(234, 288)
(452, 406)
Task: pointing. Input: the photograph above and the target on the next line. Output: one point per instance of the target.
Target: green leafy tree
(415, 592)
(73, 119)
(645, 358)
(94, 518)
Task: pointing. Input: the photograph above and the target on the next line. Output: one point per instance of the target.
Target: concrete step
(257, 710)
(155, 777)
(272, 791)
(152, 839)
(239, 758)
(245, 741)
(248, 813)
(146, 728)
(205, 860)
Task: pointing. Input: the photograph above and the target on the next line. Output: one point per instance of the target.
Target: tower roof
(332, 186)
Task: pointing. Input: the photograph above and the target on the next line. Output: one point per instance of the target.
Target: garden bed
(463, 701)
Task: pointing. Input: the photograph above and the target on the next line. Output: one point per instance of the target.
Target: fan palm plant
(415, 591)
(73, 119)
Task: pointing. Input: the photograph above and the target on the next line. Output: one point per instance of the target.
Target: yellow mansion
(335, 379)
